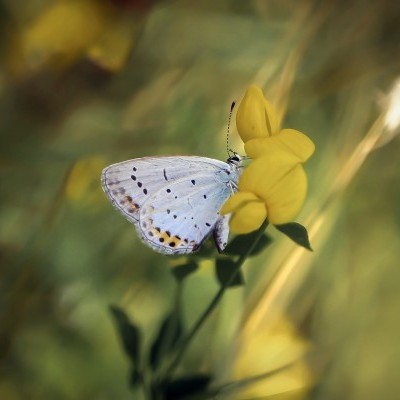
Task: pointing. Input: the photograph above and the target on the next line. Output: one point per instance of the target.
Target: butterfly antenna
(228, 149)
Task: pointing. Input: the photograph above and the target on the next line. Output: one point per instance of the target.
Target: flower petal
(236, 201)
(280, 181)
(256, 117)
(287, 196)
(248, 212)
(289, 140)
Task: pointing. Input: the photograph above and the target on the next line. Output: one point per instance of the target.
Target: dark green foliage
(182, 271)
(168, 336)
(207, 249)
(182, 388)
(130, 338)
(135, 377)
(296, 232)
(225, 269)
(240, 244)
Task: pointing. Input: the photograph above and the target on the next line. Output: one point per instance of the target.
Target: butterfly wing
(128, 184)
(179, 217)
(221, 232)
(173, 201)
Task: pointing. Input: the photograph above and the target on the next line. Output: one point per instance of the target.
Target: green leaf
(182, 271)
(240, 244)
(135, 377)
(168, 336)
(296, 232)
(182, 388)
(129, 334)
(224, 269)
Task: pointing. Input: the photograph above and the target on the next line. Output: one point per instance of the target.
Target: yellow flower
(274, 185)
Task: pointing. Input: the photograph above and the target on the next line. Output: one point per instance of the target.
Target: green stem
(146, 389)
(167, 340)
(215, 301)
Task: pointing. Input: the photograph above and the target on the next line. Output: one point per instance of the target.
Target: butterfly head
(235, 159)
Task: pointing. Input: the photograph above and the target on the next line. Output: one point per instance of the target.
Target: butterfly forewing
(128, 184)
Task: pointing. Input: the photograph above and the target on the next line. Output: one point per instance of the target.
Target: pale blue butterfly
(174, 202)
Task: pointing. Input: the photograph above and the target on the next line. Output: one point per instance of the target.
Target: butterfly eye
(235, 159)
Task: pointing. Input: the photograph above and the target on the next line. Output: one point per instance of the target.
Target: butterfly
(174, 202)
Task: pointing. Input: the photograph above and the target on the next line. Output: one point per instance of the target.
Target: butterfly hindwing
(221, 232)
(180, 216)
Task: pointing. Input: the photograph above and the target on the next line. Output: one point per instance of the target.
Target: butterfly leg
(233, 186)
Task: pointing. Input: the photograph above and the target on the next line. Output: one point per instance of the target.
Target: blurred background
(87, 83)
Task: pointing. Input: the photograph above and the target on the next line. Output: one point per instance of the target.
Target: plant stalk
(215, 301)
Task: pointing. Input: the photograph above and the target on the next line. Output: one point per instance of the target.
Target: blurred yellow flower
(274, 185)
(62, 33)
(69, 30)
(265, 351)
(82, 188)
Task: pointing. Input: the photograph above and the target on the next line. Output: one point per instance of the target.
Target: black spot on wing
(165, 174)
